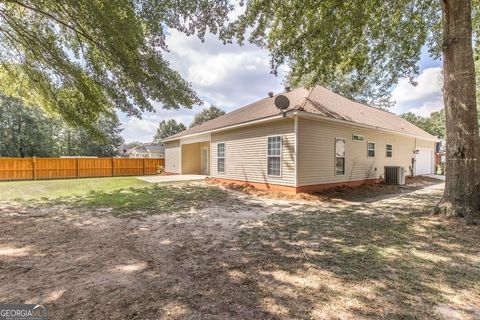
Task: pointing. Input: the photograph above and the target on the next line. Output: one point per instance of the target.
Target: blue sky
(231, 76)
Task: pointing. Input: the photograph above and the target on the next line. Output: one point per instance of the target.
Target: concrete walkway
(172, 178)
(439, 186)
(436, 176)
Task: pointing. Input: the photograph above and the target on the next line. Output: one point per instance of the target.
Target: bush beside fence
(71, 168)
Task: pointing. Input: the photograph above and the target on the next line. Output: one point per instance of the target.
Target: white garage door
(424, 163)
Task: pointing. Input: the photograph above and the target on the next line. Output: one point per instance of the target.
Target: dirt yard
(210, 253)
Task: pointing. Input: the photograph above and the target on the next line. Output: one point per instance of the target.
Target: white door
(424, 162)
(205, 164)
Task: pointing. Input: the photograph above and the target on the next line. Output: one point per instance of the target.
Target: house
(318, 141)
(146, 151)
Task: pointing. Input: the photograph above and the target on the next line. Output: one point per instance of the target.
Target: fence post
(143, 166)
(78, 168)
(113, 167)
(34, 166)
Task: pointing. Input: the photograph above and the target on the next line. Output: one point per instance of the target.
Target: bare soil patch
(242, 256)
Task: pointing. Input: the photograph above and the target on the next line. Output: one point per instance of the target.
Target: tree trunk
(460, 197)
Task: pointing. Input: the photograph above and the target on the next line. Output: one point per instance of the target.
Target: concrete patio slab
(172, 178)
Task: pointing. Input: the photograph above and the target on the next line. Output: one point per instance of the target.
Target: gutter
(240, 125)
(309, 115)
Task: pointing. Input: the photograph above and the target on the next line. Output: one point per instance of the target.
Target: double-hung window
(339, 156)
(274, 156)
(388, 150)
(371, 149)
(221, 157)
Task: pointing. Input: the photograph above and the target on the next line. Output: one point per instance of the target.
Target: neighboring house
(440, 152)
(146, 151)
(320, 141)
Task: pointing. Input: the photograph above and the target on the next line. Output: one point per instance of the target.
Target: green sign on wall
(357, 137)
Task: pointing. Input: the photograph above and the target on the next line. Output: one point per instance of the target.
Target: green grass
(52, 189)
(120, 196)
(154, 199)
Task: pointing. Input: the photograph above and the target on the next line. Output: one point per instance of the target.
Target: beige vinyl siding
(172, 157)
(246, 152)
(316, 152)
(425, 144)
(191, 158)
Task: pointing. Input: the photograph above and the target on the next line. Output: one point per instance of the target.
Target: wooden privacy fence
(64, 168)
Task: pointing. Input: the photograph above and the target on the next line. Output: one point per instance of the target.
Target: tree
(364, 47)
(81, 58)
(437, 123)
(433, 124)
(207, 115)
(24, 131)
(80, 142)
(132, 144)
(27, 131)
(167, 129)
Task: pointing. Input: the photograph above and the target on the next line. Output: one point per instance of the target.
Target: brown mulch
(342, 192)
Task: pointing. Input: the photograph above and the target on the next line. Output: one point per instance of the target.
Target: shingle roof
(319, 101)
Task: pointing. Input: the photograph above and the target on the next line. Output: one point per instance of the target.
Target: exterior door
(424, 162)
(205, 164)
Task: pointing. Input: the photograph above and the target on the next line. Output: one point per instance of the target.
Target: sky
(231, 76)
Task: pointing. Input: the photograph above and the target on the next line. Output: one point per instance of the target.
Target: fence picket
(67, 168)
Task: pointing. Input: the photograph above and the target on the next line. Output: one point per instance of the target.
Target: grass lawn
(50, 189)
(120, 195)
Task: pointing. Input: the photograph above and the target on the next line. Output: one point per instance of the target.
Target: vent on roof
(287, 88)
(270, 94)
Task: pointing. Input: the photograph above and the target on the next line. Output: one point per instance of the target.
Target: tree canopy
(168, 128)
(433, 124)
(206, 114)
(357, 48)
(83, 58)
(27, 131)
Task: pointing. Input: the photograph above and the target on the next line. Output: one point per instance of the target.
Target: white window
(274, 155)
(339, 156)
(388, 150)
(371, 149)
(221, 157)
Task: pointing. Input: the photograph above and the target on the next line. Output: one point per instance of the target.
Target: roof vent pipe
(287, 88)
(270, 94)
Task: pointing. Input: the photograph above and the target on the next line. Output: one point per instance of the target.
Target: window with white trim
(339, 156)
(274, 156)
(221, 157)
(388, 150)
(371, 149)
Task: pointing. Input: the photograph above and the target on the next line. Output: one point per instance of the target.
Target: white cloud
(138, 129)
(427, 108)
(429, 82)
(228, 76)
(423, 98)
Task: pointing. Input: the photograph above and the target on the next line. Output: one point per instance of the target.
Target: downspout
(296, 150)
(181, 159)
(414, 158)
